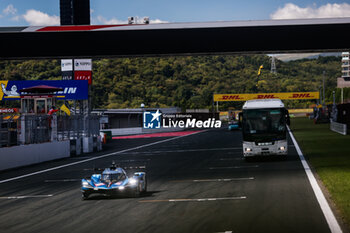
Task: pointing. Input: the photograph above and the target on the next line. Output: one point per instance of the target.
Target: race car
(233, 125)
(114, 181)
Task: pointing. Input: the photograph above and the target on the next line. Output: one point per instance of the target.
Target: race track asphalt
(196, 183)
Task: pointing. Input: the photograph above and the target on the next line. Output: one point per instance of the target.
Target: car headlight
(282, 148)
(247, 149)
(132, 181)
(121, 187)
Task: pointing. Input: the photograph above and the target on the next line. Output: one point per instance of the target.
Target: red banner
(83, 75)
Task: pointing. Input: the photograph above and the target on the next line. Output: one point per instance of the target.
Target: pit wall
(139, 130)
(23, 155)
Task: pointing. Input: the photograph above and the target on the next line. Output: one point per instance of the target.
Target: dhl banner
(282, 96)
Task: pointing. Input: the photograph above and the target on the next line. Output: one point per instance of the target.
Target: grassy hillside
(187, 82)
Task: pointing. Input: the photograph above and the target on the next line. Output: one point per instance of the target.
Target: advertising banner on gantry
(66, 65)
(282, 96)
(72, 89)
(83, 75)
(82, 64)
(67, 69)
(82, 69)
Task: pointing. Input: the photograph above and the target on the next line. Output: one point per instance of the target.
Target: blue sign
(152, 119)
(72, 89)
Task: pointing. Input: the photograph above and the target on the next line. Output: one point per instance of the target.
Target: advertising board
(66, 65)
(8, 110)
(83, 75)
(72, 89)
(82, 64)
(67, 75)
(282, 96)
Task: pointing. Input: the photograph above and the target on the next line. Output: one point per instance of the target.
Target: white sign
(82, 64)
(66, 65)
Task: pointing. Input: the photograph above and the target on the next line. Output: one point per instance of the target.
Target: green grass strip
(329, 154)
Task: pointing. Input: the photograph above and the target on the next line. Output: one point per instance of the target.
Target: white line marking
(64, 180)
(99, 157)
(229, 159)
(216, 180)
(330, 218)
(22, 197)
(225, 180)
(195, 199)
(189, 150)
(234, 167)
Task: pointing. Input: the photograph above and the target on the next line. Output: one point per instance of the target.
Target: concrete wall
(125, 131)
(17, 156)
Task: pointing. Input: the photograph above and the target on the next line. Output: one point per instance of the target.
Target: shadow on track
(270, 158)
(95, 197)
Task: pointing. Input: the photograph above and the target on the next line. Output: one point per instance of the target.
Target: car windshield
(265, 124)
(113, 177)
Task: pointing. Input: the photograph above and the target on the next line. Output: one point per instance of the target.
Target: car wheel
(138, 189)
(145, 188)
(84, 196)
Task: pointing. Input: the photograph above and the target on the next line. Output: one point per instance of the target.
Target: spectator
(52, 110)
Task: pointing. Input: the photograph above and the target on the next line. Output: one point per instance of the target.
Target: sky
(46, 12)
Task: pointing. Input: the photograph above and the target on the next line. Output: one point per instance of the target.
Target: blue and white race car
(232, 125)
(114, 181)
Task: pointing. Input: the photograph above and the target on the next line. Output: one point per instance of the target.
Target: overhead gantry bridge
(264, 36)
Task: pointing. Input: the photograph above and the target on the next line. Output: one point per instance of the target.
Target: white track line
(234, 167)
(330, 218)
(195, 199)
(22, 197)
(63, 180)
(225, 180)
(95, 158)
(215, 180)
(230, 159)
(189, 150)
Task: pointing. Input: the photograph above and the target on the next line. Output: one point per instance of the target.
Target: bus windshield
(261, 125)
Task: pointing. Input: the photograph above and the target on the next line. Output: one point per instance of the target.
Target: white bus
(264, 127)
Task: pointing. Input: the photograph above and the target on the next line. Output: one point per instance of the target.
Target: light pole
(323, 102)
(143, 112)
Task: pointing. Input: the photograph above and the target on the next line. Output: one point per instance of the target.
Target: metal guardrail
(339, 128)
